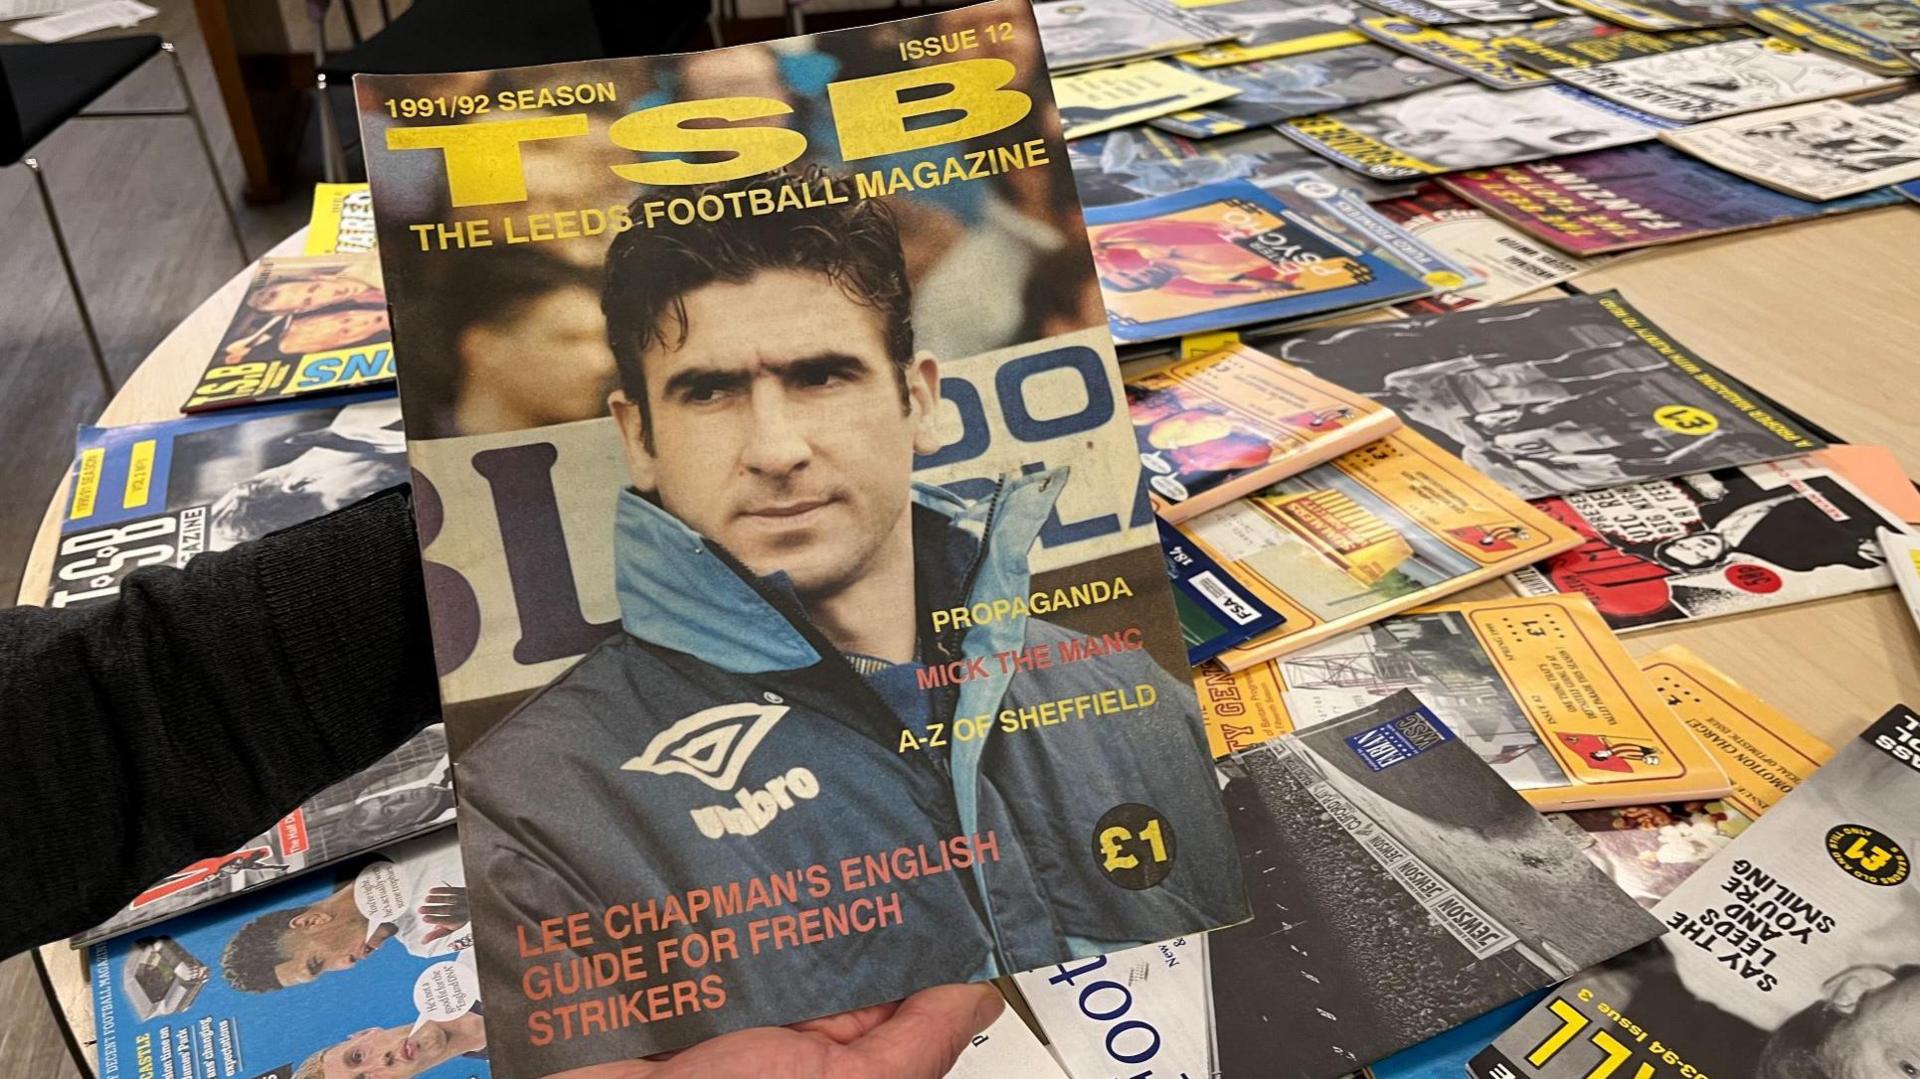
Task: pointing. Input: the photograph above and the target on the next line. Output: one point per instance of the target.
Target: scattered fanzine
(1649, 849)
(1140, 163)
(1903, 555)
(1821, 150)
(1392, 525)
(1449, 12)
(162, 493)
(1226, 255)
(1445, 1056)
(1793, 953)
(1264, 29)
(1510, 263)
(1881, 34)
(1663, 14)
(1468, 126)
(1911, 189)
(1106, 98)
(342, 221)
(1539, 687)
(1276, 90)
(1875, 472)
(836, 622)
(1231, 422)
(305, 326)
(1094, 33)
(1716, 543)
(1213, 615)
(1549, 58)
(1484, 52)
(330, 975)
(1563, 395)
(1140, 1011)
(1006, 1050)
(1635, 196)
(1706, 82)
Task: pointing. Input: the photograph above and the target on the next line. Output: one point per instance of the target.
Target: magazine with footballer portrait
(1821, 150)
(1539, 687)
(364, 971)
(1635, 196)
(1468, 126)
(1511, 263)
(1232, 254)
(342, 221)
(1563, 395)
(810, 641)
(1716, 543)
(1706, 82)
(1265, 29)
(1280, 89)
(1230, 422)
(1214, 616)
(1453, 12)
(306, 325)
(1880, 34)
(1392, 525)
(1079, 34)
(1793, 954)
(1480, 52)
(1649, 849)
(1400, 889)
(1105, 98)
(1658, 15)
(162, 493)
(1141, 163)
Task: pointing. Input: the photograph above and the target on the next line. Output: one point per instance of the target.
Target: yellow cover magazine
(803, 631)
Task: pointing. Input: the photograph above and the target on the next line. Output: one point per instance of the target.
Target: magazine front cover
(1793, 954)
(1468, 126)
(1281, 89)
(1552, 397)
(306, 325)
(1511, 263)
(1222, 425)
(1635, 196)
(1452, 12)
(361, 972)
(1079, 34)
(1716, 543)
(1658, 15)
(1649, 849)
(341, 221)
(1103, 99)
(1820, 150)
(803, 627)
(1707, 82)
(1881, 34)
(1480, 51)
(1539, 687)
(1142, 163)
(1264, 29)
(1392, 525)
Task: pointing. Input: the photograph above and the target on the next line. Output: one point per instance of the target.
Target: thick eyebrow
(799, 368)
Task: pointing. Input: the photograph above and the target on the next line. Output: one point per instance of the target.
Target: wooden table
(1822, 316)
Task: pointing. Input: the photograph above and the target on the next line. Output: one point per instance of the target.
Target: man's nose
(777, 442)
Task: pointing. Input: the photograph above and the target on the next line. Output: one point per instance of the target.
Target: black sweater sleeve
(200, 706)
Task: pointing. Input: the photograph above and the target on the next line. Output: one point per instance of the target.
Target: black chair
(478, 35)
(44, 86)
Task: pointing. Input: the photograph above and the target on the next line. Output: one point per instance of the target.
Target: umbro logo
(711, 745)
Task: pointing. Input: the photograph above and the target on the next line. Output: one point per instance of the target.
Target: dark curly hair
(854, 244)
(248, 960)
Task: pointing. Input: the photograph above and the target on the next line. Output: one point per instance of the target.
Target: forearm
(188, 715)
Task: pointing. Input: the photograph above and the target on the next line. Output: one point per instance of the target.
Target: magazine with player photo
(1276, 90)
(1142, 163)
(1453, 12)
(1106, 98)
(1479, 51)
(1881, 34)
(1264, 29)
(305, 325)
(1636, 196)
(1541, 690)
(1562, 395)
(1821, 150)
(1706, 82)
(365, 970)
(1510, 263)
(835, 508)
(1716, 543)
(1793, 953)
(1659, 15)
(1468, 126)
(1079, 34)
(1649, 849)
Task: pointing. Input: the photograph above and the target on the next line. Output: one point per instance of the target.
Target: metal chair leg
(333, 156)
(206, 147)
(353, 22)
(73, 279)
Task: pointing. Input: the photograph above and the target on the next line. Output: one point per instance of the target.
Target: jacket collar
(680, 591)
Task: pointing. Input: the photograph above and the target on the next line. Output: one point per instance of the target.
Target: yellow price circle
(1686, 420)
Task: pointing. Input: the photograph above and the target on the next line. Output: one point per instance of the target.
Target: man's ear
(1845, 990)
(310, 918)
(633, 439)
(923, 401)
